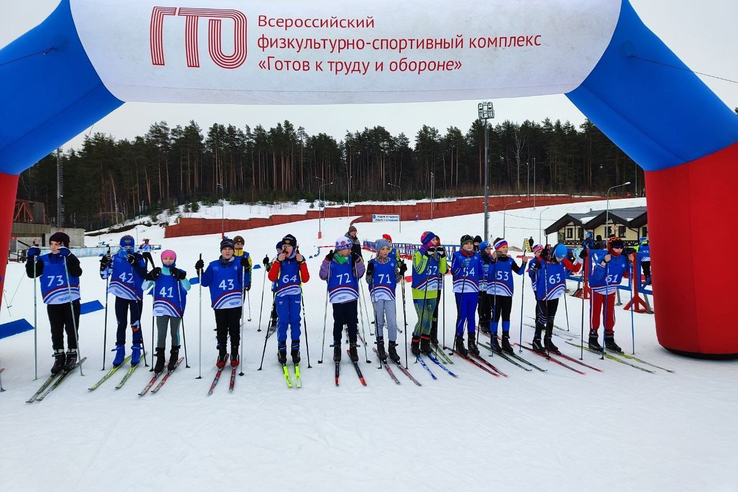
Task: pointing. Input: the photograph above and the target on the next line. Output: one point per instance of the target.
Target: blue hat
(643, 240)
(279, 246)
(381, 243)
(227, 243)
(560, 251)
(127, 242)
(484, 245)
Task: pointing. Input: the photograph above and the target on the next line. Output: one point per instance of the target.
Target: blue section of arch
(660, 116)
(49, 92)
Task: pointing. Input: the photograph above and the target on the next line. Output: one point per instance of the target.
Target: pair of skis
(621, 356)
(419, 358)
(232, 384)
(288, 379)
(112, 371)
(386, 365)
(52, 383)
(356, 366)
(163, 380)
(479, 362)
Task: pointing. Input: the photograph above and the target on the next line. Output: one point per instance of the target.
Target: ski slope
(622, 429)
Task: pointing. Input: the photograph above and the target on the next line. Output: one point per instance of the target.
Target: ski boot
(337, 351)
(353, 352)
(425, 345)
(549, 345)
(506, 347)
(393, 352)
(537, 346)
(460, 347)
(71, 360)
(120, 355)
(594, 343)
(59, 360)
(173, 357)
(282, 356)
(135, 353)
(380, 350)
(235, 359)
(473, 349)
(434, 332)
(415, 345)
(609, 344)
(295, 353)
(496, 344)
(222, 358)
(159, 366)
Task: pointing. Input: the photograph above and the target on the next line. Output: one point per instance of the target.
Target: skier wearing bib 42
(429, 263)
(225, 277)
(57, 283)
(604, 282)
(550, 278)
(342, 270)
(289, 271)
(466, 268)
(127, 271)
(500, 289)
(382, 275)
(170, 286)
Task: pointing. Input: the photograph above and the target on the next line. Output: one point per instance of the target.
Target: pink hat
(168, 253)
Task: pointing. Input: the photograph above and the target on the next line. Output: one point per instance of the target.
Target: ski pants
(484, 311)
(501, 307)
(60, 319)
(345, 314)
(385, 308)
(162, 323)
(228, 322)
(148, 258)
(646, 266)
(122, 307)
(545, 314)
(598, 300)
(424, 309)
(466, 307)
(288, 315)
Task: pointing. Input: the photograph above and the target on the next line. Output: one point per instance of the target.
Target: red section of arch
(692, 217)
(9, 185)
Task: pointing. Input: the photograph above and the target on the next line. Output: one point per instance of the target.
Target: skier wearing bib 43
(289, 271)
(57, 283)
(550, 278)
(127, 271)
(170, 286)
(466, 267)
(225, 277)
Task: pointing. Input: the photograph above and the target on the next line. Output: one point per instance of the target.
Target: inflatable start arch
(89, 57)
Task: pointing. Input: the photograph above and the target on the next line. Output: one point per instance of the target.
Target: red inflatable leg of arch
(8, 187)
(693, 229)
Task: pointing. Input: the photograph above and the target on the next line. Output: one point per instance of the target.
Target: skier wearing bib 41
(550, 278)
(225, 277)
(57, 283)
(127, 271)
(289, 271)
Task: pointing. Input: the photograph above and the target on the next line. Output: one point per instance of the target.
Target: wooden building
(630, 224)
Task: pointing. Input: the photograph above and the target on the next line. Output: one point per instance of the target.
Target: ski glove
(177, 273)
(34, 251)
(329, 256)
(154, 274)
(131, 258)
(583, 253)
(370, 269)
(64, 251)
(104, 262)
(245, 263)
(199, 266)
(403, 268)
(266, 260)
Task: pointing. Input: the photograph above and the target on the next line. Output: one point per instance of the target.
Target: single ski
(566, 335)
(358, 370)
(166, 376)
(234, 370)
(487, 363)
(612, 357)
(216, 379)
(150, 384)
(572, 359)
(46, 384)
(555, 361)
(633, 357)
(474, 362)
(564, 331)
(126, 377)
(438, 363)
(298, 380)
(407, 373)
(59, 380)
(286, 373)
(1, 381)
(112, 371)
(443, 356)
(386, 366)
(513, 360)
(338, 370)
(418, 358)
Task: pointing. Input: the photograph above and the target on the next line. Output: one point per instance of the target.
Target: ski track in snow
(617, 430)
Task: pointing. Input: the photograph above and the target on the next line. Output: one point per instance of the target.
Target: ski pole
(74, 319)
(248, 296)
(325, 321)
(105, 323)
(240, 337)
(522, 295)
(199, 368)
(266, 338)
(153, 322)
(363, 331)
(604, 323)
(404, 316)
(585, 275)
(263, 283)
(184, 334)
(35, 325)
(632, 320)
(493, 336)
(304, 320)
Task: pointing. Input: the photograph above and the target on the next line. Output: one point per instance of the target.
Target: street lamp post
(348, 196)
(431, 196)
(486, 111)
(534, 183)
(222, 210)
(504, 216)
(400, 189)
(540, 229)
(607, 211)
(322, 187)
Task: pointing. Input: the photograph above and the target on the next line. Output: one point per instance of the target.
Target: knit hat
(537, 248)
(500, 243)
(483, 246)
(60, 237)
(643, 240)
(289, 239)
(560, 251)
(226, 243)
(352, 229)
(387, 237)
(382, 243)
(127, 242)
(342, 243)
(477, 239)
(279, 246)
(466, 238)
(614, 242)
(426, 238)
(238, 239)
(168, 253)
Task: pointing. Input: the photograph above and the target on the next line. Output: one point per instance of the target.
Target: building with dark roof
(630, 224)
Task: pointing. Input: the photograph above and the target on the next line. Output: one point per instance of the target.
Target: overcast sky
(700, 32)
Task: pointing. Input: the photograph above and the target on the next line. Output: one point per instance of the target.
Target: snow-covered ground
(621, 429)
